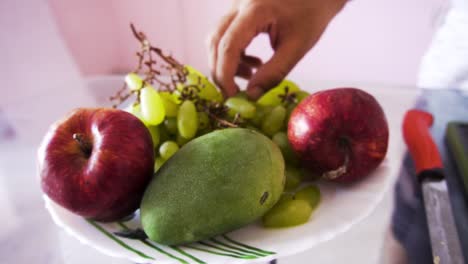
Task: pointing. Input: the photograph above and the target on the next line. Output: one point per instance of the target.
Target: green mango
(214, 184)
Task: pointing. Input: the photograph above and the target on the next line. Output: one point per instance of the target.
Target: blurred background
(371, 40)
(56, 55)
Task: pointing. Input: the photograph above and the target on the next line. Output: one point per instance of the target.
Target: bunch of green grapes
(197, 107)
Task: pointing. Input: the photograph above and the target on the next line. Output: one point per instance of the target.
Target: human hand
(293, 26)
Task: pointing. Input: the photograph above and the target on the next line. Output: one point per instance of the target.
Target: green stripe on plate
(247, 246)
(225, 250)
(118, 241)
(219, 253)
(238, 248)
(162, 251)
(181, 251)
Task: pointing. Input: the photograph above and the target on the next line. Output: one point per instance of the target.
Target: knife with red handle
(429, 170)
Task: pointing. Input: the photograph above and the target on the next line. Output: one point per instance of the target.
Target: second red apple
(341, 134)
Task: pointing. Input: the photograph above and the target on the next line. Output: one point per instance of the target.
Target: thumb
(275, 70)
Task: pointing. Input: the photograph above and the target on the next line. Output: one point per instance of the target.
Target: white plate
(341, 207)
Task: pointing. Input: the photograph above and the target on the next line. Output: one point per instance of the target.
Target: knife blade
(429, 170)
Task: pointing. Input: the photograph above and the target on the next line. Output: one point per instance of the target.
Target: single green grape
(242, 94)
(260, 114)
(289, 109)
(176, 94)
(203, 120)
(170, 104)
(181, 140)
(208, 90)
(135, 109)
(133, 81)
(167, 149)
(274, 121)
(301, 95)
(293, 178)
(155, 136)
(152, 107)
(171, 125)
(239, 105)
(310, 194)
(158, 162)
(285, 197)
(282, 141)
(272, 97)
(287, 212)
(187, 120)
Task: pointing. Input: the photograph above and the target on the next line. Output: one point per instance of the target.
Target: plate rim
(328, 236)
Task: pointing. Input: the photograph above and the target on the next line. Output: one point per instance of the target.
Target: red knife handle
(421, 146)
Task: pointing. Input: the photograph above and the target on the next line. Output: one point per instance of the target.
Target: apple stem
(333, 174)
(84, 144)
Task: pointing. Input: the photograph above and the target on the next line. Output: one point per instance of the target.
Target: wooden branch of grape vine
(165, 73)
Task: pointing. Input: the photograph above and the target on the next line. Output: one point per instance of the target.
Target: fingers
(236, 38)
(244, 71)
(213, 40)
(247, 65)
(252, 61)
(272, 72)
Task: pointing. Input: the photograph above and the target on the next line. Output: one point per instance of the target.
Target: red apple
(341, 134)
(97, 163)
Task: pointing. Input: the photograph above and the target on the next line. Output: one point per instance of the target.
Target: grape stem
(169, 75)
(173, 65)
(221, 121)
(121, 95)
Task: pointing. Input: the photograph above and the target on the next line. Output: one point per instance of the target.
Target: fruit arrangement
(197, 164)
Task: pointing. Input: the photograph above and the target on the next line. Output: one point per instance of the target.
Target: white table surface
(28, 235)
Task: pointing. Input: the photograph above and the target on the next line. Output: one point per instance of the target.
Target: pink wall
(98, 32)
(370, 41)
